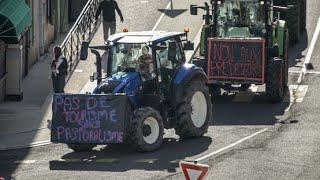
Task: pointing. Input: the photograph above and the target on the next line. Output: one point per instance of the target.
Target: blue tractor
(148, 70)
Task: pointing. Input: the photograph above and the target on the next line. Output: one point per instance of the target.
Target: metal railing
(84, 29)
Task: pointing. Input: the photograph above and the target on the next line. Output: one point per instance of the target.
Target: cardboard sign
(85, 118)
(236, 59)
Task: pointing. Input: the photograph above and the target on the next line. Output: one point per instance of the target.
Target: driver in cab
(163, 54)
(145, 61)
(165, 65)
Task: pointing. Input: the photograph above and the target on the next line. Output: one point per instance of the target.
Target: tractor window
(167, 66)
(162, 54)
(131, 57)
(240, 18)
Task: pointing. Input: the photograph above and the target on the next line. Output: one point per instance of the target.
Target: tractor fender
(278, 36)
(183, 77)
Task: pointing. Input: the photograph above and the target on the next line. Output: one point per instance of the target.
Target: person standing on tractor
(165, 64)
(163, 53)
(108, 8)
(145, 63)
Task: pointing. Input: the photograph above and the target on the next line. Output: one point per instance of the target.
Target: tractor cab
(240, 19)
(138, 53)
(150, 57)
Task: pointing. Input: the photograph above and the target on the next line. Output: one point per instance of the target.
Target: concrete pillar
(2, 71)
(41, 26)
(14, 58)
(64, 15)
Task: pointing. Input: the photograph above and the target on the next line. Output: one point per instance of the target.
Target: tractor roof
(143, 37)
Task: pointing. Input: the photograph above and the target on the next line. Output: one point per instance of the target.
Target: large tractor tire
(293, 20)
(275, 80)
(147, 129)
(286, 56)
(303, 15)
(194, 111)
(81, 147)
(215, 90)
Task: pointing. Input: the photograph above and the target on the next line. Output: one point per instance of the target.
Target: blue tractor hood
(122, 82)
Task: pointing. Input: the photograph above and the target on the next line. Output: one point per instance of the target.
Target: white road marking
(162, 15)
(308, 72)
(144, 1)
(310, 51)
(232, 145)
(150, 161)
(25, 162)
(78, 70)
(254, 88)
(299, 93)
(289, 107)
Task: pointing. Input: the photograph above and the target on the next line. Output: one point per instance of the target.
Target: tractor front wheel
(275, 80)
(147, 129)
(194, 110)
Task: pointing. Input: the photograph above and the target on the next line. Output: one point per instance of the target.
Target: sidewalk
(21, 121)
(27, 123)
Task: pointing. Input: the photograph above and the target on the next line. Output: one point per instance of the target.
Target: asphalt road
(285, 148)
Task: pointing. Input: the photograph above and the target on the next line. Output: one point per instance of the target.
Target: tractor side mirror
(188, 46)
(84, 50)
(172, 52)
(283, 8)
(193, 9)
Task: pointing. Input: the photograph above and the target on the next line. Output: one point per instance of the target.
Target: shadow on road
(259, 111)
(10, 160)
(172, 13)
(120, 158)
(295, 51)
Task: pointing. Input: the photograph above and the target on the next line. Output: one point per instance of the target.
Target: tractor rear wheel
(215, 90)
(303, 15)
(81, 147)
(293, 18)
(194, 111)
(286, 56)
(147, 129)
(275, 80)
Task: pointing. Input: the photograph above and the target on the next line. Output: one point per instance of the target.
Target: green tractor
(245, 42)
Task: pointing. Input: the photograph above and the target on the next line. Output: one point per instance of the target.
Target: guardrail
(83, 30)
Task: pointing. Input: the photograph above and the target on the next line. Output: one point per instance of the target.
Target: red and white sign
(194, 171)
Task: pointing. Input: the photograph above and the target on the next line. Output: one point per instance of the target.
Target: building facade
(22, 43)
